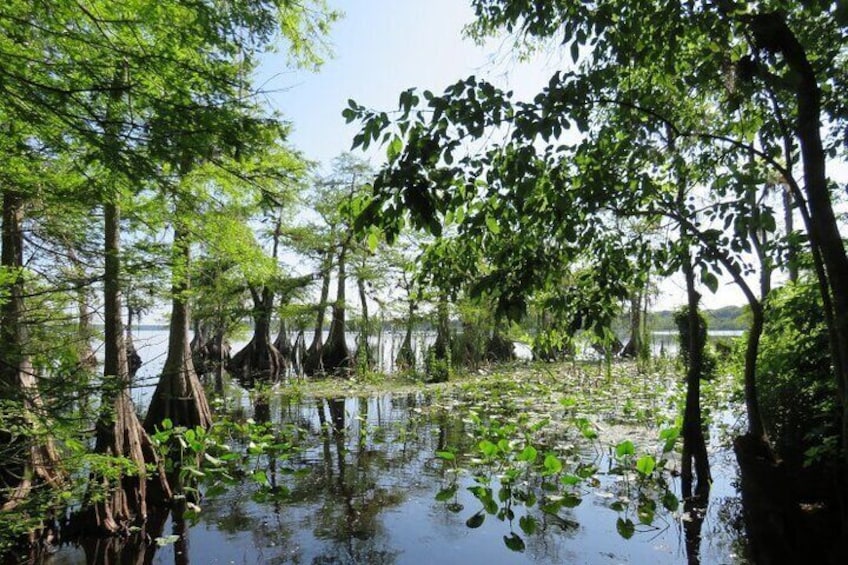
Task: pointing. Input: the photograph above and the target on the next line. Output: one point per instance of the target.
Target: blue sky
(381, 48)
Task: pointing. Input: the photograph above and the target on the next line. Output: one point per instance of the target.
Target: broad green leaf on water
(528, 524)
(503, 494)
(528, 454)
(586, 471)
(585, 427)
(504, 446)
(488, 448)
(166, 540)
(490, 505)
(568, 402)
(260, 477)
(570, 480)
(477, 520)
(647, 510)
(571, 501)
(552, 508)
(446, 455)
(625, 448)
(514, 542)
(670, 501)
(455, 507)
(669, 436)
(646, 464)
(552, 464)
(617, 505)
(625, 528)
(214, 490)
(446, 494)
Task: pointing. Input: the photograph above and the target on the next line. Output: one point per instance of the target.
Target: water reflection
(366, 487)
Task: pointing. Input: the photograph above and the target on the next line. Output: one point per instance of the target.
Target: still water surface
(364, 489)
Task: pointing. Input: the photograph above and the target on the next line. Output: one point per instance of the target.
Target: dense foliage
(798, 398)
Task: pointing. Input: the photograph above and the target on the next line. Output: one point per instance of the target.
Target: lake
(441, 475)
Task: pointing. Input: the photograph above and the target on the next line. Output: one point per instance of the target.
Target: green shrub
(796, 388)
(437, 369)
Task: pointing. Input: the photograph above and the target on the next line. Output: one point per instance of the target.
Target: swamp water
(538, 464)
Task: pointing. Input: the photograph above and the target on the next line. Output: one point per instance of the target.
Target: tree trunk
(179, 395)
(406, 355)
(789, 226)
(259, 359)
(771, 32)
(29, 460)
(119, 432)
(312, 361)
(633, 348)
(133, 358)
(85, 353)
(694, 445)
(335, 356)
(284, 346)
(199, 348)
(364, 355)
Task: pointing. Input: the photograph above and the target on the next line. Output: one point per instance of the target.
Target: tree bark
(312, 360)
(29, 460)
(364, 355)
(406, 355)
(633, 348)
(179, 396)
(259, 359)
(133, 358)
(694, 445)
(284, 346)
(118, 431)
(335, 356)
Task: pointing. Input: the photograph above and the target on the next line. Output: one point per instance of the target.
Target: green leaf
(260, 477)
(646, 465)
(528, 524)
(446, 455)
(552, 464)
(514, 542)
(488, 448)
(625, 528)
(477, 520)
(167, 540)
(446, 494)
(625, 448)
(670, 436)
(394, 148)
(570, 480)
(670, 501)
(373, 240)
(709, 280)
(528, 454)
(492, 225)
